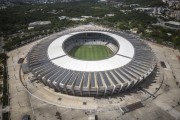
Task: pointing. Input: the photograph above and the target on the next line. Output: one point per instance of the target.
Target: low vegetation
(14, 20)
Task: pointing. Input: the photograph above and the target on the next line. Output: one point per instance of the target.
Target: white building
(172, 24)
(38, 23)
(110, 15)
(63, 17)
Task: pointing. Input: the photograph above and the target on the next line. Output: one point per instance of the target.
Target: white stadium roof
(121, 58)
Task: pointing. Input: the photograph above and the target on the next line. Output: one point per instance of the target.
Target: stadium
(91, 62)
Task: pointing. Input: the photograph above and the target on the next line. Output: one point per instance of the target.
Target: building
(51, 63)
(38, 23)
(63, 17)
(109, 15)
(172, 24)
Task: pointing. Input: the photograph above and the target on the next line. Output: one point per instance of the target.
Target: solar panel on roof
(112, 78)
(140, 66)
(68, 76)
(39, 70)
(79, 78)
(86, 78)
(123, 74)
(46, 71)
(51, 73)
(139, 69)
(62, 76)
(99, 81)
(132, 72)
(73, 78)
(117, 76)
(92, 80)
(56, 77)
(106, 80)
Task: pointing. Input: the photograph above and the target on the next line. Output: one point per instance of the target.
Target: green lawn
(91, 52)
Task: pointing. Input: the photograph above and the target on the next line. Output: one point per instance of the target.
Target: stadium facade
(132, 61)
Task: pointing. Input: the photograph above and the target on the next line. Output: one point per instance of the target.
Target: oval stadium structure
(91, 62)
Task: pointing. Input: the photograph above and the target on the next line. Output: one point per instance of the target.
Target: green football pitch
(91, 52)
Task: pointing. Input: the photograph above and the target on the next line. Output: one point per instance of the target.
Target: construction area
(157, 98)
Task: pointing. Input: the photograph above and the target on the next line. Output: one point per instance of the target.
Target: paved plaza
(160, 94)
